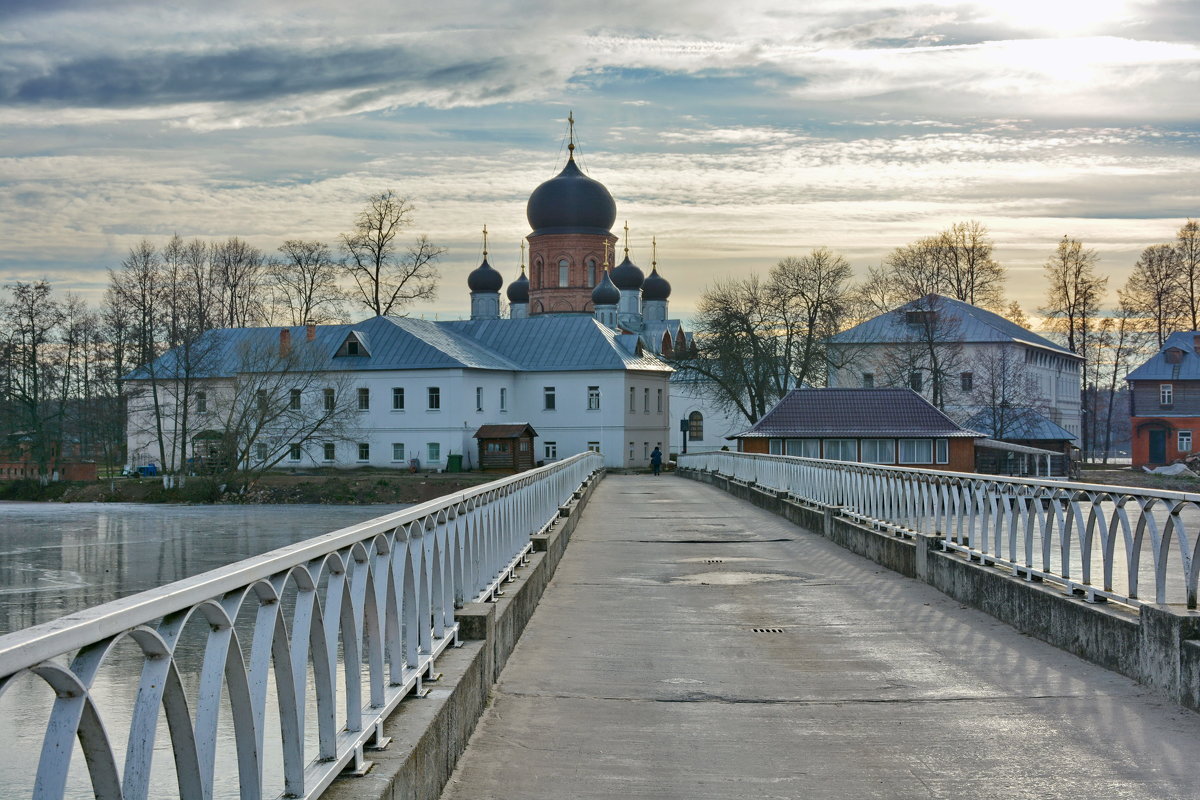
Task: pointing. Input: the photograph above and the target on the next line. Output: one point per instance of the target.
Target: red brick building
(1164, 402)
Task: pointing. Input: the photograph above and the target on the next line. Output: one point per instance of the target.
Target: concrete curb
(429, 734)
(1158, 647)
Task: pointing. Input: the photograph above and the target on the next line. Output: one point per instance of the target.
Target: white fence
(1105, 542)
(318, 642)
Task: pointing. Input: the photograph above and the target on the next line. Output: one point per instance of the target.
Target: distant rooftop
(974, 325)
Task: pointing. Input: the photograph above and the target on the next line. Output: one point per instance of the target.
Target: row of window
(645, 450)
(433, 451)
(867, 451)
(916, 381)
(433, 399)
(564, 272)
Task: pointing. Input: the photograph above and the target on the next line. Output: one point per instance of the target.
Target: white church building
(583, 357)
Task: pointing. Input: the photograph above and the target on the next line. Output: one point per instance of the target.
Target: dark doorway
(1158, 447)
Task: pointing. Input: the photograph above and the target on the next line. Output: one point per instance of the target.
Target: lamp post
(683, 428)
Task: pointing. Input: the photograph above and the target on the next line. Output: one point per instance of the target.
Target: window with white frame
(646, 400)
(364, 451)
(967, 381)
(943, 451)
(593, 402)
(804, 448)
(632, 399)
(330, 451)
(841, 449)
(434, 398)
(631, 451)
(293, 452)
(397, 398)
(1166, 394)
(397, 451)
(564, 272)
(548, 398)
(479, 398)
(503, 399)
(260, 451)
(695, 427)
(645, 450)
(294, 400)
(868, 380)
(916, 451)
(659, 406)
(915, 381)
(591, 272)
(433, 452)
(1185, 441)
(550, 450)
(364, 399)
(775, 447)
(594, 447)
(328, 399)
(201, 402)
(878, 451)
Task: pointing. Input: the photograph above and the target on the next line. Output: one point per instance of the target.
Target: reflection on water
(59, 558)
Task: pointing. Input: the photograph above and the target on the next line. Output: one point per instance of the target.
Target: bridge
(769, 626)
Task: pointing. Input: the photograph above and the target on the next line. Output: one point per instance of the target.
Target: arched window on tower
(537, 274)
(563, 277)
(695, 427)
(591, 272)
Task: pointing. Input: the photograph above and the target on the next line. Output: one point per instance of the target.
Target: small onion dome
(571, 202)
(518, 290)
(655, 287)
(484, 278)
(627, 275)
(606, 293)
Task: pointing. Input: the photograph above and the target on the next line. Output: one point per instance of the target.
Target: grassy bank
(363, 486)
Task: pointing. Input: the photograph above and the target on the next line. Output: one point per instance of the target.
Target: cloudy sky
(736, 133)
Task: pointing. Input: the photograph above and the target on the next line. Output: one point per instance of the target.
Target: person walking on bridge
(656, 460)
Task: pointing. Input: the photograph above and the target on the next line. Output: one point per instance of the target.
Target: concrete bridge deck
(641, 674)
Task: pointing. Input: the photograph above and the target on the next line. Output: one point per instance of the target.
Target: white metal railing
(1101, 541)
(374, 601)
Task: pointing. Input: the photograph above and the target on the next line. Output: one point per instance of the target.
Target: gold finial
(653, 253)
(571, 135)
(607, 244)
(485, 242)
(627, 238)
(522, 256)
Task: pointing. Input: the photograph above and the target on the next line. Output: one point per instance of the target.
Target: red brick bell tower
(571, 217)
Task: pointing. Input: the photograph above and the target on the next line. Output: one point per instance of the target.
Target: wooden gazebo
(506, 448)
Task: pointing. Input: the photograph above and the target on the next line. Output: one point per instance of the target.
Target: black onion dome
(655, 287)
(606, 293)
(485, 279)
(627, 275)
(518, 290)
(571, 202)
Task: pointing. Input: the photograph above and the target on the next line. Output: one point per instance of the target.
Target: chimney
(1196, 343)
(310, 332)
(285, 342)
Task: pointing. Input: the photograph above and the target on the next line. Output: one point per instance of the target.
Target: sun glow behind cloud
(737, 134)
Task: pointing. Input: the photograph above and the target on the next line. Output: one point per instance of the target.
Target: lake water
(59, 558)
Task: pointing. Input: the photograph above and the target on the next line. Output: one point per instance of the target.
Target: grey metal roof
(1156, 367)
(557, 342)
(974, 325)
(1025, 424)
(857, 413)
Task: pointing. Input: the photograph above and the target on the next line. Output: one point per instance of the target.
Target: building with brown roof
(872, 426)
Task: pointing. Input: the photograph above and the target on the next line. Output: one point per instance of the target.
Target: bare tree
(1015, 314)
(1005, 390)
(1154, 290)
(305, 284)
(929, 356)
(756, 340)
(1073, 299)
(1187, 251)
(31, 320)
(237, 272)
(957, 263)
(388, 280)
